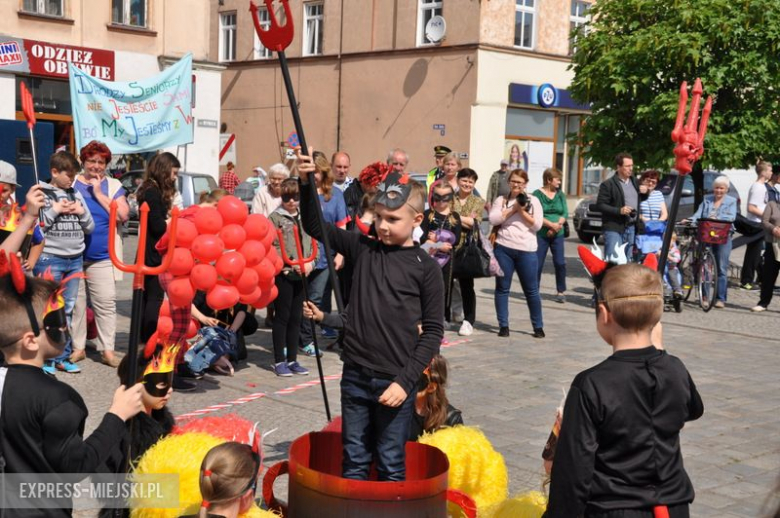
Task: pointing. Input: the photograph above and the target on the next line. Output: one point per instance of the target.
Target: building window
(426, 9)
(312, 37)
(579, 17)
(260, 52)
(525, 12)
(227, 36)
(48, 7)
(129, 12)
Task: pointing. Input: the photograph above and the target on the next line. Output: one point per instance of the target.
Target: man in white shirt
(757, 200)
(341, 163)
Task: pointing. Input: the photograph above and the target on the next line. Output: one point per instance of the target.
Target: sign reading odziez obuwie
(136, 116)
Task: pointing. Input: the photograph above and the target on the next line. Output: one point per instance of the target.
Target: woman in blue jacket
(721, 206)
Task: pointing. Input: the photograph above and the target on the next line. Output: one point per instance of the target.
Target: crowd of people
(403, 286)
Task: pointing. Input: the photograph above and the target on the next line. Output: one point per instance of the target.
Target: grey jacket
(64, 233)
(771, 220)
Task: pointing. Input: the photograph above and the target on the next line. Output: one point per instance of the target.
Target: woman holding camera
(516, 219)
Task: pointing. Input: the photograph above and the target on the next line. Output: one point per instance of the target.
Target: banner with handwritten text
(135, 116)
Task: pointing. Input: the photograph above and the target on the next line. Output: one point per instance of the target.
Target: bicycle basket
(713, 231)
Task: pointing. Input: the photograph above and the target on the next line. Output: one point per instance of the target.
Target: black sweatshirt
(619, 446)
(43, 426)
(393, 289)
(157, 223)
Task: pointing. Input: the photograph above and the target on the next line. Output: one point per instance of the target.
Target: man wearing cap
(498, 185)
(439, 152)
(18, 229)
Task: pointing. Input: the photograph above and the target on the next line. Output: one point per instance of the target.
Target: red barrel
(317, 488)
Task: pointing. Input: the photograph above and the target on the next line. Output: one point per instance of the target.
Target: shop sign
(544, 95)
(51, 59)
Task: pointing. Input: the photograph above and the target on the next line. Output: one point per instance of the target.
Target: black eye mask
(153, 379)
(55, 325)
(442, 197)
(393, 192)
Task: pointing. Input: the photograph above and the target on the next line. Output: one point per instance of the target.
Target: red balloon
(253, 251)
(182, 262)
(208, 220)
(253, 297)
(247, 283)
(164, 326)
(265, 271)
(257, 226)
(207, 248)
(186, 232)
(230, 266)
(233, 210)
(222, 297)
(266, 286)
(165, 309)
(278, 265)
(192, 329)
(233, 236)
(203, 277)
(266, 298)
(268, 240)
(181, 292)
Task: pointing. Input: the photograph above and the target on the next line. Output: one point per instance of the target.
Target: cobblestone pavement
(510, 387)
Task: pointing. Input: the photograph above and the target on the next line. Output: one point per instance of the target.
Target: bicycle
(697, 265)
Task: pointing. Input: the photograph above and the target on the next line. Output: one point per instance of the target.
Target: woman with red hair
(98, 191)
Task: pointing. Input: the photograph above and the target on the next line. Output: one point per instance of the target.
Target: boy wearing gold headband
(618, 453)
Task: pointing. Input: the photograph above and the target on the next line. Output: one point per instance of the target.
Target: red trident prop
(28, 108)
(301, 263)
(689, 149)
(139, 269)
(277, 38)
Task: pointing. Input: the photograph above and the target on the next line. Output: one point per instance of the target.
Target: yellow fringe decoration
(526, 505)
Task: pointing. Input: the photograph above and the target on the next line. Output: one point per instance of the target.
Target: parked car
(130, 181)
(587, 222)
(191, 185)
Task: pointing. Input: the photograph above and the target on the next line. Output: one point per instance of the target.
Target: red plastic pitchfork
(277, 38)
(28, 108)
(301, 263)
(139, 269)
(689, 149)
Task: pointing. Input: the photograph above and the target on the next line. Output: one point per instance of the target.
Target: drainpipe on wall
(338, 113)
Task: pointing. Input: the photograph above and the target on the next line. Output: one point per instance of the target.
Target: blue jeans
(525, 264)
(559, 260)
(60, 268)
(722, 253)
(370, 428)
(317, 280)
(212, 344)
(614, 239)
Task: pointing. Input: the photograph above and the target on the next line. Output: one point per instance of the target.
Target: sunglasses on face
(441, 197)
(287, 198)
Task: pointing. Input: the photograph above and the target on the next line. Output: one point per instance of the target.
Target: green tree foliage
(636, 53)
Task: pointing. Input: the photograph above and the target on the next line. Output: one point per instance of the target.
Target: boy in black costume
(395, 285)
(42, 419)
(618, 454)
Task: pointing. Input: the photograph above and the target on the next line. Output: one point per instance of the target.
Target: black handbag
(471, 260)
(566, 229)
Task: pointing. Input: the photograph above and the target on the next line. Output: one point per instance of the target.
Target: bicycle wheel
(708, 280)
(686, 271)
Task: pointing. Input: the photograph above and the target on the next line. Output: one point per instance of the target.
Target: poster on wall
(532, 156)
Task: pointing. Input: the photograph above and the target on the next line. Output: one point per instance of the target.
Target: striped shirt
(651, 207)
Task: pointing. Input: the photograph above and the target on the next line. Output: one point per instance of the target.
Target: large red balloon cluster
(227, 253)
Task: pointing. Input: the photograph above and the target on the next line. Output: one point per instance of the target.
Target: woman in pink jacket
(517, 217)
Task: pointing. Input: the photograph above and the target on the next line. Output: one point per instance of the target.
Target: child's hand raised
(304, 164)
(127, 402)
(393, 396)
(311, 311)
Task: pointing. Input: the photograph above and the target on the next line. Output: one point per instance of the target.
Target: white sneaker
(758, 309)
(465, 329)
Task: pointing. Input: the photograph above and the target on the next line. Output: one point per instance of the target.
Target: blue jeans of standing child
(370, 427)
(559, 260)
(526, 266)
(60, 268)
(614, 239)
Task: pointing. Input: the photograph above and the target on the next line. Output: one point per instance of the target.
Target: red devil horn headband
(593, 264)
